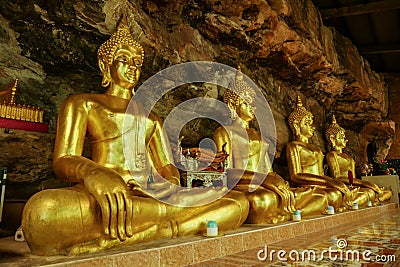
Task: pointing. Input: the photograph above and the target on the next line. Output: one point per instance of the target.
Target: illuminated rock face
(281, 45)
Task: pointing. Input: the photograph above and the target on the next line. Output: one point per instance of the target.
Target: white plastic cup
(297, 216)
(19, 235)
(212, 228)
(330, 210)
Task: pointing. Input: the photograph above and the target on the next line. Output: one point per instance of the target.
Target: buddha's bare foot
(93, 246)
(274, 220)
(341, 209)
(286, 217)
(279, 218)
(305, 191)
(381, 198)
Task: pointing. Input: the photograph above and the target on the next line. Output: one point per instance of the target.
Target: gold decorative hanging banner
(14, 115)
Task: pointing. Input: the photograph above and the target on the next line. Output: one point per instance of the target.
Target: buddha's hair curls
(238, 90)
(119, 37)
(298, 114)
(333, 129)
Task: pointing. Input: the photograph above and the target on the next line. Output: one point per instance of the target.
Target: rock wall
(394, 109)
(282, 45)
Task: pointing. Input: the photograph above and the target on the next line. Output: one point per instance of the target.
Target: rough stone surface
(394, 110)
(20, 154)
(282, 45)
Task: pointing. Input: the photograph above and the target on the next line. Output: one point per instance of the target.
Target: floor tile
(372, 243)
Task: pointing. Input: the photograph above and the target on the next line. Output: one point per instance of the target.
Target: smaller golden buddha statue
(272, 201)
(112, 204)
(341, 165)
(305, 162)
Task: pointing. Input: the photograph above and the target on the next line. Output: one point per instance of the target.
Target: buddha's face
(126, 66)
(245, 109)
(306, 127)
(341, 140)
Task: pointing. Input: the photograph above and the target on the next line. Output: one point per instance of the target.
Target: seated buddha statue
(109, 205)
(305, 162)
(341, 165)
(273, 200)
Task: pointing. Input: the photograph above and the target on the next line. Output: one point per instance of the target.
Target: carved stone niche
(382, 135)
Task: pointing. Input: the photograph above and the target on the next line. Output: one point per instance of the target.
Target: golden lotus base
(193, 250)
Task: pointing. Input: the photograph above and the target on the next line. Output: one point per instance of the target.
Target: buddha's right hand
(281, 187)
(348, 195)
(111, 193)
(288, 199)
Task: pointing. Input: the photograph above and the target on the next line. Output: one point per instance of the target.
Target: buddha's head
(301, 121)
(120, 58)
(336, 135)
(239, 97)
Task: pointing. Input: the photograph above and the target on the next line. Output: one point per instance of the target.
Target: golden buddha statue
(109, 206)
(341, 163)
(272, 201)
(305, 162)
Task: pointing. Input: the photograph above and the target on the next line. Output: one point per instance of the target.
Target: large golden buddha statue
(305, 162)
(340, 164)
(109, 206)
(272, 201)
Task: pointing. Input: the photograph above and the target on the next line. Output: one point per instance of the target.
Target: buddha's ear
(232, 110)
(333, 140)
(230, 105)
(296, 126)
(105, 70)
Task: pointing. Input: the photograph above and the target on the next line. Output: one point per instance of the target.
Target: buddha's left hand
(162, 189)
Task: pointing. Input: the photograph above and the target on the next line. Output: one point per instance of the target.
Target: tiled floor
(356, 244)
(373, 229)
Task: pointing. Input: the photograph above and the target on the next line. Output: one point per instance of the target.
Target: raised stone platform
(190, 250)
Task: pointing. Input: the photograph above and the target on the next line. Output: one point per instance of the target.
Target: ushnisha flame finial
(239, 74)
(299, 103)
(333, 119)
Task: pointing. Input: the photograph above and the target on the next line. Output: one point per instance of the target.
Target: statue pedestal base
(191, 250)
